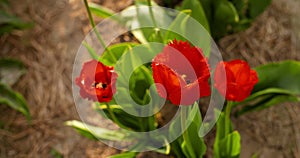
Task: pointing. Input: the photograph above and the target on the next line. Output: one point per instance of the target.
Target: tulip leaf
(128, 120)
(193, 146)
(278, 83)
(125, 155)
(197, 11)
(256, 7)
(91, 51)
(114, 52)
(97, 133)
(13, 100)
(186, 28)
(224, 15)
(100, 11)
(230, 145)
(138, 19)
(227, 142)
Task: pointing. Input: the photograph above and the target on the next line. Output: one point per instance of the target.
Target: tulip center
(184, 77)
(100, 85)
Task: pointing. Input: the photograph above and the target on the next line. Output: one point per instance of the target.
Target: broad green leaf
(185, 28)
(223, 147)
(134, 78)
(14, 100)
(115, 52)
(284, 75)
(278, 83)
(178, 24)
(96, 133)
(225, 14)
(125, 155)
(207, 5)
(197, 11)
(240, 6)
(192, 145)
(128, 120)
(100, 11)
(11, 70)
(267, 101)
(230, 146)
(138, 19)
(256, 7)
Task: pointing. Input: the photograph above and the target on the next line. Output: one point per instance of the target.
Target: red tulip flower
(240, 79)
(181, 73)
(96, 81)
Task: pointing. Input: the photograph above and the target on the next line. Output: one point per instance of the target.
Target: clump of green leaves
(225, 16)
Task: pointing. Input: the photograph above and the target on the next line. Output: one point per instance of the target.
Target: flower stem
(227, 116)
(91, 19)
(153, 20)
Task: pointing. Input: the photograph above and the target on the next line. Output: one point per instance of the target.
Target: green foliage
(13, 100)
(197, 11)
(100, 10)
(278, 83)
(227, 141)
(229, 16)
(9, 22)
(189, 144)
(10, 71)
(125, 155)
(97, 133)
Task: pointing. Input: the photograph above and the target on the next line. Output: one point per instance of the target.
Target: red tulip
(183, 72)
(96, 81)
(240, 79)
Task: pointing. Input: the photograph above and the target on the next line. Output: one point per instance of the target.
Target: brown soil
(48, 50)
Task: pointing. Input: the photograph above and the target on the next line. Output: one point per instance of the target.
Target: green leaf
(96, 133)
(191, 144)
(256, 7)
(11, 70)
(91, 51)
(10, 22)
(124, 118)
(115, 52)
(197, 11)
(125, 155)
(278, 83)
(100, 11)
(14, 100)
(225, 14)
(284, 75)
(138, 19)
(227, 141)
(230, 145)
(207, 5)
(185, 28)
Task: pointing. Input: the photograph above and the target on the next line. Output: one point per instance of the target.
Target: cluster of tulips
(178, 73)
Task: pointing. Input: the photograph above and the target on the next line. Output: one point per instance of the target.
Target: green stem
(114, 118)
(153, 20)
(91, 19)
(227, 117)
